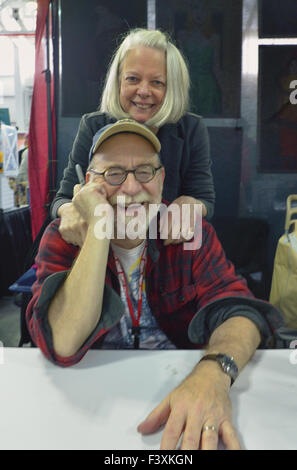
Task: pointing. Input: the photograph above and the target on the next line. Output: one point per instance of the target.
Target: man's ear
(88, 176)
(163, 174)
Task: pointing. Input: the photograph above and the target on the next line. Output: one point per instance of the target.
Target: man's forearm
(76, 308)
(238, 337)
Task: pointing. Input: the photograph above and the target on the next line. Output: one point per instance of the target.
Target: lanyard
(123, 281)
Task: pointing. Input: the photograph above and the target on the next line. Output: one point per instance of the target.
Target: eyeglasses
(116, 175)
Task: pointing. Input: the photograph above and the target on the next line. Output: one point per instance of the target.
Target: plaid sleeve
(54, 261)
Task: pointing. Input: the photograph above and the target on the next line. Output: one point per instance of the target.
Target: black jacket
(184, 154)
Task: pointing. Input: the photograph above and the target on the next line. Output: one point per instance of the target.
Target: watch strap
(216, 358)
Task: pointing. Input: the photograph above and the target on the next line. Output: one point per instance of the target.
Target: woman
(147, 81)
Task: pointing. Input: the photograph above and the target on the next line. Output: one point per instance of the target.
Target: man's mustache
(123, 199)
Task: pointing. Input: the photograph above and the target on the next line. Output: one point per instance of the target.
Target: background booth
(250, 202)
(230, 47)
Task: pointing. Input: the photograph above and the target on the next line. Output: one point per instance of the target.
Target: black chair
(245, 241)
(26, 296)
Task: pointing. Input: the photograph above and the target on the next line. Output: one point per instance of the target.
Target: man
(133, 292)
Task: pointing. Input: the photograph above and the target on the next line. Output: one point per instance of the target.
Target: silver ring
(209, 428)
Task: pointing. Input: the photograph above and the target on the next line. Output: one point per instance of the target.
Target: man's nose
(131, 186)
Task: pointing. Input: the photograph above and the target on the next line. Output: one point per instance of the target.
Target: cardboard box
(6, 193)
(8, 165)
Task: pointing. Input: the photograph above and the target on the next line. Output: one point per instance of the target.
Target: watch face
(228, 365)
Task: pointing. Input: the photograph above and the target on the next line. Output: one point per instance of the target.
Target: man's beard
(131, 215)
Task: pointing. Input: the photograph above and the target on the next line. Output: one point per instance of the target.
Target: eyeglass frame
(126, 172)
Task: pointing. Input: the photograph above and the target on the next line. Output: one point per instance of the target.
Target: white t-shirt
(120, 336)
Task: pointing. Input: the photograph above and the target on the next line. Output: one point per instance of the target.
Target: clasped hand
(76, 215)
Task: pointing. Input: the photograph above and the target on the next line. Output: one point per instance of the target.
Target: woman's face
(143, 82)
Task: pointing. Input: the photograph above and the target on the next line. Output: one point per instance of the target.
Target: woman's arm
(89, 125)
(196, 176)
(79, 154)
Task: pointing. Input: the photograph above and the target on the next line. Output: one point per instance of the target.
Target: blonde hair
(176, 100)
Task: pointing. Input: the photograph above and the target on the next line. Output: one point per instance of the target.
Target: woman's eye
(131, 79)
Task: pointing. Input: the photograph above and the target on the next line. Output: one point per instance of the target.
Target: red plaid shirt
(180, 285)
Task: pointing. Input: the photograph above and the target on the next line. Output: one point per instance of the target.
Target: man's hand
(75, 215)
(202, 399)
(186, 224)
(72, 227)
(86, 198)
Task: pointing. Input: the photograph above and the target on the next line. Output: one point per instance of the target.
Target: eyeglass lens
(143, 174)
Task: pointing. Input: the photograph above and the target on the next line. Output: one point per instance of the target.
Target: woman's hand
(181, 220)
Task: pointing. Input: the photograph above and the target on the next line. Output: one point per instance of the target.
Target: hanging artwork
(278, 108)
(209, 35)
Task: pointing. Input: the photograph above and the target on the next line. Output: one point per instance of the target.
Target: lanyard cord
(123, 281)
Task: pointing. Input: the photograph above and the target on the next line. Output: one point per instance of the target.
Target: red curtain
(38, 132)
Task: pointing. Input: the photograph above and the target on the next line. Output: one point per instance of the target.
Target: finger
(229, 436)
(192, 434)
(187, 220)
(166, 225)
(195, 220)
(209, 437)
(171, 237)
(155, 419)
(76, 189)
(196, 216)
(187, 234)
(102, 190)
(173, 430)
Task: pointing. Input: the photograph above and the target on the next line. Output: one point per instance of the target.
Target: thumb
(76, 189)
(156, 418)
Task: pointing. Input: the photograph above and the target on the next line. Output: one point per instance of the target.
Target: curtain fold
(40, 193)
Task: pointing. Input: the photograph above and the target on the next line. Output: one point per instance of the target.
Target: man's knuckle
(190, 441)
(172, 433)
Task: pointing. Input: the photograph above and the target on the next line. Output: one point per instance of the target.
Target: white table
(98, 403)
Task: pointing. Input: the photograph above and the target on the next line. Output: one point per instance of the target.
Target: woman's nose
(144, 89)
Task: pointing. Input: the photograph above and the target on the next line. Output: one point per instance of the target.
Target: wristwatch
(226, 362)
